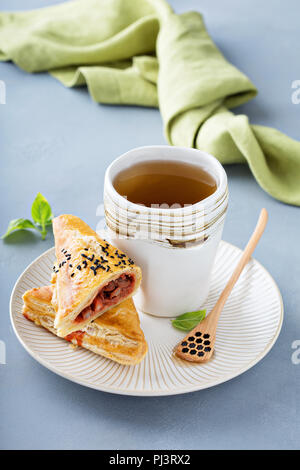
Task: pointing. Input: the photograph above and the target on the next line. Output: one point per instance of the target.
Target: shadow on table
(25, 237)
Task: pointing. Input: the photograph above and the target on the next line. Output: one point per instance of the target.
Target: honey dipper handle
(259, 229)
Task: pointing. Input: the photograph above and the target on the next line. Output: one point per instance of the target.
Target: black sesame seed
(91, 258)
(185, 350)
(86, 249)
(70, 266)
(107, 269)
(84, 256)
(59, 265)
(72, 274)
(79, 267)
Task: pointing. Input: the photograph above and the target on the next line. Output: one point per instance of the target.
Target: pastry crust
(85, 266)
(116, 334)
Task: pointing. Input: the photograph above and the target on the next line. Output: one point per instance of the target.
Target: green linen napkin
(141, 52)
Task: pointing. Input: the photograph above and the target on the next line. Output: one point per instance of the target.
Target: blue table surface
(57, 141)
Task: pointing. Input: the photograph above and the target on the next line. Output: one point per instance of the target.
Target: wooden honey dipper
(198, 345)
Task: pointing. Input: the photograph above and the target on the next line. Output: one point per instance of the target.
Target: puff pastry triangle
(116, 334)
(91, 275)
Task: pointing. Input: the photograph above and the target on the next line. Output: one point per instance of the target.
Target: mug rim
(208, 201)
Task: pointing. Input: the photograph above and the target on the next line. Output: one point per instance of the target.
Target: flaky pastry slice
(116, 334)
(91, 275)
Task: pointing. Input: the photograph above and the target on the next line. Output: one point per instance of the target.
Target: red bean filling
(109, 295)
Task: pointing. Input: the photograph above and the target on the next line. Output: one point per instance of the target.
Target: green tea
(160, 182)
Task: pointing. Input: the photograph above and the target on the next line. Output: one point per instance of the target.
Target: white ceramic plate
(249, 326)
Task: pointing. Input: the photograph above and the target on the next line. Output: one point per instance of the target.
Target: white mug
(175, 248)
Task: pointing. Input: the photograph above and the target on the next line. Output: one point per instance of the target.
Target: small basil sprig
(41, 214)
(188, 321)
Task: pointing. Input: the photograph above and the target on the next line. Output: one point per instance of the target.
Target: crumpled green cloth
(140, 52)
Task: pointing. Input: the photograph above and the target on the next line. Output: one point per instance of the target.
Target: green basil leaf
(188, 321)
(18, 224)
(41, 211)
